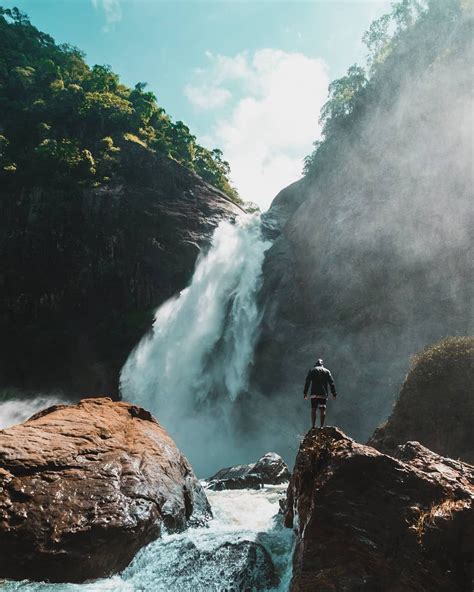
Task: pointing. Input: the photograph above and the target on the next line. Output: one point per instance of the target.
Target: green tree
(64, 157)
(183, 143)
(412, 33)
(377, 40)
(56, 112)
(100, 79)
(343, 95)
(107, 110)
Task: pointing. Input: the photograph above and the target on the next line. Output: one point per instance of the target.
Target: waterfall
(15, 408)
(193, 366)
(191, 371)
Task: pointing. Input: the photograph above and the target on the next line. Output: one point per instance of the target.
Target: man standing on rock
(321, 381)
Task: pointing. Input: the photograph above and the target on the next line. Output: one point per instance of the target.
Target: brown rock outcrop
(83, 487)
(372, 522)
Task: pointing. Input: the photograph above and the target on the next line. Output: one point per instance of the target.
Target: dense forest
(414, 28)
(64, 122)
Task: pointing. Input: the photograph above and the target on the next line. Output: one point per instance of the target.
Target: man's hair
(319, 362)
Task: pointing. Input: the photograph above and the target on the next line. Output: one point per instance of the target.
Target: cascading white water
(190, 371)
(16, 409)
(194, 364)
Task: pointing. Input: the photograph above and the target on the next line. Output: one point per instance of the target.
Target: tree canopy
(61, 119)
(411, 33)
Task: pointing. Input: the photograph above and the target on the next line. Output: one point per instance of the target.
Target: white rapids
(239, 515)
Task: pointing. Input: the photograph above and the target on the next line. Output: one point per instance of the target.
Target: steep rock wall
(82, 270)
(373, 257)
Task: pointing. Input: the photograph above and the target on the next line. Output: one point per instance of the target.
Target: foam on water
(239, 515)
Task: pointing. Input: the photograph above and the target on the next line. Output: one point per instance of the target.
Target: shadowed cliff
(105, 204)
(83, 269)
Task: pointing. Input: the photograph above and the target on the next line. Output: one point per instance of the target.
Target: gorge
(144, 279)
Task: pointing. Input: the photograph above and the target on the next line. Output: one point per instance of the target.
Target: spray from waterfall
(15, 408)
(194, 365)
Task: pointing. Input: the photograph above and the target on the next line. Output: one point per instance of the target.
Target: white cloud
(207, 97)
(229, 68)
(273, 121)
(112, 11)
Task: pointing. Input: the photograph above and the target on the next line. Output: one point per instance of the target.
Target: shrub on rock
(436, 402)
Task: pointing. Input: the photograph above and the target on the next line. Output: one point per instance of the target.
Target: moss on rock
(436, 402)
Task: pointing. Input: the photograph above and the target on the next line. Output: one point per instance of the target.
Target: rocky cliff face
(83, 487)
(372, 261)
(82, 270)
(367, 521)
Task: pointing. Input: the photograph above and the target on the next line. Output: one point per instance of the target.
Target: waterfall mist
(375, 261)
(15, 408)
(192, 369)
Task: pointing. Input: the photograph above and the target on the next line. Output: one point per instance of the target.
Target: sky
(246, 76)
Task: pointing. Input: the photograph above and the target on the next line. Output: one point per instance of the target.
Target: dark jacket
(321, 381)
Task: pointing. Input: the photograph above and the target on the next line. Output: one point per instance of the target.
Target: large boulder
(270, 469)
(436, 402)
(372, 522)
(83, 487)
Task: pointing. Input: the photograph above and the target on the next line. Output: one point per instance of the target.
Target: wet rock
(369, 521)
(83, 487)
(231, 567)
(271, 469)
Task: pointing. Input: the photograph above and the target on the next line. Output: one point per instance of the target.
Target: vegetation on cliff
(436, 402)
(407, 38)
(64, 122)
(104, 209)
